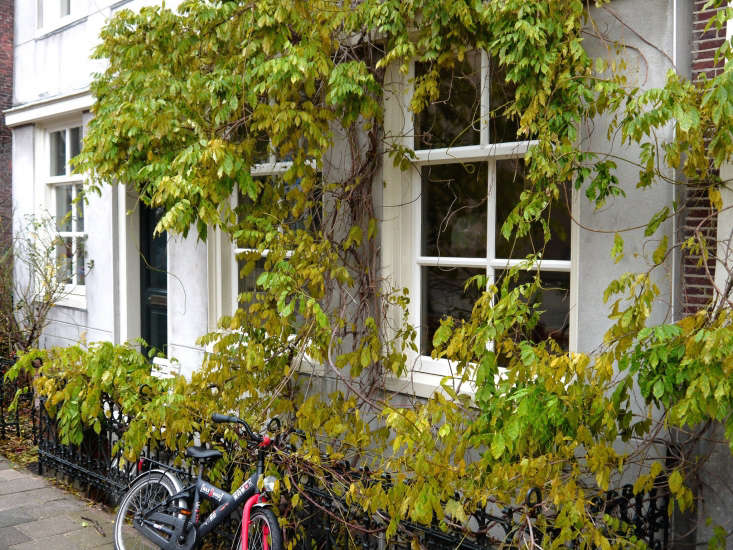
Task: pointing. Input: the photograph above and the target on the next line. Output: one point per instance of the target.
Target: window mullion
(491, 212)
(72, 209)
(485, 108)
(490, 221)
(74, 260)
(67, 151)
(491, 280)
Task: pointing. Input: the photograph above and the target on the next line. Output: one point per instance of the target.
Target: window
(272, 172)
(65, 187)
(463, 207)
(467, 175)
(53, 13)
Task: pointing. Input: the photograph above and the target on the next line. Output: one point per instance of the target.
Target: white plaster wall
(55, 61)
(22, 187)
(647, 67)
(187, 300)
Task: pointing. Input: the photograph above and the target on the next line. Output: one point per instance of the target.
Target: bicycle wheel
(263, 533)
(143, 495)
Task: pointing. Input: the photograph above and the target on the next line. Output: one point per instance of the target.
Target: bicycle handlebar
(222, 418)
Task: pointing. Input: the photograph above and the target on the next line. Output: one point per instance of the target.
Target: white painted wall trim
(45, 109)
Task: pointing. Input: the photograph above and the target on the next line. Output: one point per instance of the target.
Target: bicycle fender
(262, 505)
(163, 473)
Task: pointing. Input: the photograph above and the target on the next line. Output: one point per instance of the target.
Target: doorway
(153, 282)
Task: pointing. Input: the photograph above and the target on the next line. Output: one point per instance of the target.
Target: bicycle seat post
(260, 461)
(194, 517)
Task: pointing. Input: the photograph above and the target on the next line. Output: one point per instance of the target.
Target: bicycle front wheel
(144, 495)
(263, 532)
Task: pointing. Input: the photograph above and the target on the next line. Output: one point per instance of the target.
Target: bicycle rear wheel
(145, 494)
(263, 533)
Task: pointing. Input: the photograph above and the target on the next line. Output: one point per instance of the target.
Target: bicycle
(158, 508)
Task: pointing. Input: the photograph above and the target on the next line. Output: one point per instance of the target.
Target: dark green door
(153, 281)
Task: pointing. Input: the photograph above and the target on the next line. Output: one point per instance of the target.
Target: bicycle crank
(166, 531)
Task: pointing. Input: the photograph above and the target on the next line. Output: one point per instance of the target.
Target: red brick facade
(697, 288)
(6, 100)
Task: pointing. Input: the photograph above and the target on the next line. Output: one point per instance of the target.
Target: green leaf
(675, 482)
(365, 357)
(661, 251)
(658, 389)
(442, 335)
(617, 252)
(354, 238)
(455, 510)
(497, 446)
(656, 221)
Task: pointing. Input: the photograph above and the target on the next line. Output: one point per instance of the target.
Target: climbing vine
(191, 102)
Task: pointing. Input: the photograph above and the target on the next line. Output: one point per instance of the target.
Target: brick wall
(697, 288)
(704, 43)
(6, 100)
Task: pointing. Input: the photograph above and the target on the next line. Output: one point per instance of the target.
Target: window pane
(510, 182)
(281, 211)
(501, 128)
(158, 260)
(454, 203)
(58, 153)
(79, 207)
(310, 218)
(74, 142)
(80, 262)
(64, 255)
(63, 208)
(453, 119)
(247, 207)
(443, 295)
(248, 283)
(262, 149)
(553, 301)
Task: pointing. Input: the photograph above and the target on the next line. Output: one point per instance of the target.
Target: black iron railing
(96, 462)
(325, 521)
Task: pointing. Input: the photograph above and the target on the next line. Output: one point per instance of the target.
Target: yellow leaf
(716, 199)
(675, 482)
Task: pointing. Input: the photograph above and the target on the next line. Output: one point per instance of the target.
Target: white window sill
(421, 384)
(163, 367)
(418, 382)
(74, 300)
(59, 25)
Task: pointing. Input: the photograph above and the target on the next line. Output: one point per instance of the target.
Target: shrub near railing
(72, 381)
(84, 390)
(15, 403)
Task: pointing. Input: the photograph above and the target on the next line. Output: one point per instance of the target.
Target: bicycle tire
(264, 532)
(144, 493)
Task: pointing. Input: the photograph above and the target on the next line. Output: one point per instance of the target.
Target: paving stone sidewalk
(36, 515)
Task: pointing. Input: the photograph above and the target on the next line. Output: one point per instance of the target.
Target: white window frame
(75, 294)
(402, 260)
(54, 14)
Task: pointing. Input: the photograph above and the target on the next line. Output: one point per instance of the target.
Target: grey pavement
(36, 515)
